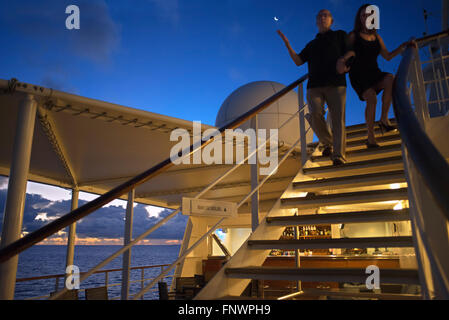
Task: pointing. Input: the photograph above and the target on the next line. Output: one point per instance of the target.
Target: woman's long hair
(358, 26)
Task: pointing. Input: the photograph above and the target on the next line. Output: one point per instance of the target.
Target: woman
(366, 77)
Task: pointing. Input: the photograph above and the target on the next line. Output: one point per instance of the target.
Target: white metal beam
(15, 201)
(127, 239)
(50, 131)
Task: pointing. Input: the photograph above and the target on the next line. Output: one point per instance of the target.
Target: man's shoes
(337, 161)
(370, 145)
(327, 152)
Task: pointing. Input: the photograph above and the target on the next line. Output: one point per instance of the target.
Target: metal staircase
(365, 169)
(410, 169)
(411, 164)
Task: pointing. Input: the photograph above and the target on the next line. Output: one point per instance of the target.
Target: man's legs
(336, 101)
(315, 98)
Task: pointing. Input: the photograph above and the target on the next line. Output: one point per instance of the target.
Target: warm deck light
(395, 186)
(398, 206)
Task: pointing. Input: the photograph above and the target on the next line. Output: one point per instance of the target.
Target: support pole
(72, 231)
(255, 180)
(444, 15)
(184, 247)
(127, 240)
(302, 125)
(15, 201)
(297, 255)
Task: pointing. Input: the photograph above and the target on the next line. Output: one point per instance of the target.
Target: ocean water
(49, 260)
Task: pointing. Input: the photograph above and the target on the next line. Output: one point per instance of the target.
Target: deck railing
(426, 169)
(58, 278)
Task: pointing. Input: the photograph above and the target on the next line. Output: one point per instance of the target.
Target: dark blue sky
(181, 57)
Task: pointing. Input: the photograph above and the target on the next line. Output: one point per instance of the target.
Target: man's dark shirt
(322, 54)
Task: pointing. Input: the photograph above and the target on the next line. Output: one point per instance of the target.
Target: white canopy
(95, 146)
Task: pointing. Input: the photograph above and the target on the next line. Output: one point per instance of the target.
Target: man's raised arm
(296, 59)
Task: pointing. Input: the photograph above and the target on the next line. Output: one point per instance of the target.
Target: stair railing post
(254, 176)
(127, 240)
(184, 246)
(15, 201)
(72, 231)
(106, 279)
(418, 90)
(302, 124)
(297, 256)
(142, 279)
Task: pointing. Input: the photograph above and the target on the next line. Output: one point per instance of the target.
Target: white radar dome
(250, 95)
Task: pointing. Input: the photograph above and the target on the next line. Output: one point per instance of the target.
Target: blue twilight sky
(181, 58)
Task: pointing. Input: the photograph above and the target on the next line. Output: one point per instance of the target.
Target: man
(327, 83)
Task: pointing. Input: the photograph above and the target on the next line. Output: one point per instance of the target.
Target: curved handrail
(430, 163)
(431, 37)
(36, 236)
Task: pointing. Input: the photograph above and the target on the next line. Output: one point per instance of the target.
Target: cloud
(3, 182)
(105, 223)
(98, 35)
(43, 217)
(154, 212)
(44, 22)
(51, 193)
(47, 47)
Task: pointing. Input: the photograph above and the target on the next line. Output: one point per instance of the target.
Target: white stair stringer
(221, 285)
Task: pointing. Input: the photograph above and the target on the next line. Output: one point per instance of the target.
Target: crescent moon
(276, 19)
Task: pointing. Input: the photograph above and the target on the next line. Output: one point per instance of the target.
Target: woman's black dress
(365, 72)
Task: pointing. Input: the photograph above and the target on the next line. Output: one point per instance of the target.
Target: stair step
(363, 133)
(394, 138)
(357, 275)
(359, 167)
(314, 292)
(362, 126)
(345, 198)
(365, 154)
(341, 217)
(363, 180)
(241, 298)
(343, 243)
(368, 295)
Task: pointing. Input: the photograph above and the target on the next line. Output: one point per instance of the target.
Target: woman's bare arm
(390, 55)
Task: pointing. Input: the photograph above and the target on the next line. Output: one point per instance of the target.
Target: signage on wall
(208, 208)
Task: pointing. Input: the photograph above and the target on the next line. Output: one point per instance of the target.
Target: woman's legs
(387, 85)
(370, 112)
